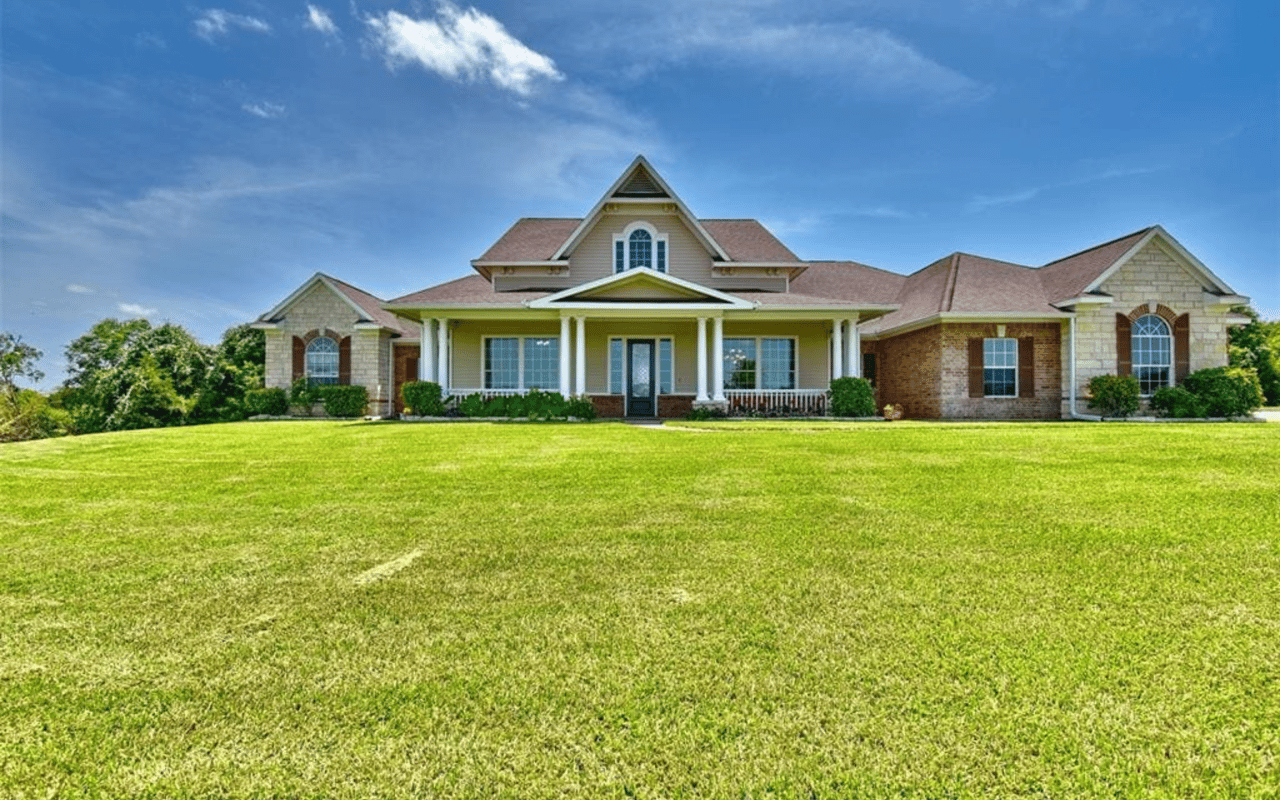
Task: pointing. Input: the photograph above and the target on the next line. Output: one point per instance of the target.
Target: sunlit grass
(743, 610)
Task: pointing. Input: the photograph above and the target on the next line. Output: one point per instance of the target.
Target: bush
(580, 408)
(344, 401)
(302, 393)
(1225, 391)
(473, 405)
(272, 402)
(852, 397)
(1114, 395)
(703, 413)
(1177, 402)
(423, 398)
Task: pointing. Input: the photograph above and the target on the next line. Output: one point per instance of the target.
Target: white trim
(624, 239)
(589, 221)
(641, 337)
(564, 356)
(564, 298)
(520, 340)
(853, 349)
(426, 351)
(1189, 260)
(1085, 300)
(759, 338)
(702, 360)
(837, 350)
(968, 316)
(328, 283)
(443, 362)
(717, 363)
(580, 358)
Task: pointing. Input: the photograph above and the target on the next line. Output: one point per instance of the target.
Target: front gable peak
(638, 288)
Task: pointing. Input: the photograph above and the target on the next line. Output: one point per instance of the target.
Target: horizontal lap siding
(684, 349)
(466, 371)
(686, 257)
(812, 343)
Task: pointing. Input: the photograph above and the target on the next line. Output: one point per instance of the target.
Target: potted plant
(892, 412)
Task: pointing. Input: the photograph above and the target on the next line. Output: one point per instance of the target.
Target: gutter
(1071, 403)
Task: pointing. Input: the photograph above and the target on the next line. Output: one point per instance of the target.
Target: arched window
(1152, 353)
(640, 246)
(322, 361)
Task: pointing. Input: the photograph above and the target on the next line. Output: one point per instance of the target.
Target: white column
(442, 357)
(564, 356)
(702, 359)
(837, 350)
(580, 354)
(426, 351)
(717, 358)
(853, 348)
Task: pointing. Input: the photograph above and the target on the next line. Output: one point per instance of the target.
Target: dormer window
(640, 245)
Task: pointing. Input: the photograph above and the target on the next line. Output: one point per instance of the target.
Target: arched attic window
(640, 245)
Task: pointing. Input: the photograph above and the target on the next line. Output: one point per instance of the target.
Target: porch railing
(799, 402)
(487, 394)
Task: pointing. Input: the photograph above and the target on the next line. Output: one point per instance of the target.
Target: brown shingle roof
(748, 240)
(531, 239)
(984, 284)
(473, 289)
(1068, 277)
(372, 307)
(848, 280)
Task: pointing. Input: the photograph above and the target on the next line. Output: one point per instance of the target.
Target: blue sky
(196, 162)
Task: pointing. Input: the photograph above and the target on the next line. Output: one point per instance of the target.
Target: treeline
(1256, 346)
(123, 375)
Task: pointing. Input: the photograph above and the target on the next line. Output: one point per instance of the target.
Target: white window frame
(311, 375)
(657, 340)
(795, 349)
(520, 340)
(1014, 393)
(1133, 352)
(624, 239)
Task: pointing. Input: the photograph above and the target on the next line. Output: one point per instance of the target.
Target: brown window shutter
(1124, 351)
(344, 360)
(299, 357)
(1026, 367)
(975, 368)
(1181, 347)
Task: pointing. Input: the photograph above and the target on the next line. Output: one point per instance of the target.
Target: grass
(721, 610)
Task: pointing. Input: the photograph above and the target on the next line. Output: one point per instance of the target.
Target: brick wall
(956, 403)
(907, 372)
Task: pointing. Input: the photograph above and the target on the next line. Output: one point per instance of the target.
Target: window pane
(615, 366)
(1152, 352)
(777, 364)
(739, 363)
(619, 247)
(641, 250)
(664, 366)
(542, 363)
(502, 363)
(662, 256)
(999, 382)
(322, 361)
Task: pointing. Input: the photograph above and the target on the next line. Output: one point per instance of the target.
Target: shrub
(852, 397)
(1176, 402)
(273, 402)
(1225, 391)
(702, 413)
(302, 393)
(344, 401)
(1114, 395)
(544, 405)
(423, 398)
(473, 405)
(580, 407)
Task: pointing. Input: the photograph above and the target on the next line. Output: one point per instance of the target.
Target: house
(651, 311)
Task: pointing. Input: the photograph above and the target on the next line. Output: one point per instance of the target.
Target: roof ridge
(812, 261)
(1140, 231)
(993, 260)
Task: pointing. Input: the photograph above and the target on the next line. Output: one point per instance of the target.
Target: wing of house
(650, 311)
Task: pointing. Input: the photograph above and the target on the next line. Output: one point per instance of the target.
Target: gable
(686, 257)
(1156, 271)
(641, 288)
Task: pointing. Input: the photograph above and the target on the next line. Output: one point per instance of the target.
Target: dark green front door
(641, 396)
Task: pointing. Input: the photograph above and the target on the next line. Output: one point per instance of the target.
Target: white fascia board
(1182, 252)
(490, 264)
(651, 309)
(263, 325)
(1226, 300)
(590, 220)
(1084, 300)
(561, 299)
(972, 316)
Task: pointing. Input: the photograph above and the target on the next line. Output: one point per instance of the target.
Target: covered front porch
(662, 364)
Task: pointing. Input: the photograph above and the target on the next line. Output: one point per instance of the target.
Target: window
(759, 363)
(640, 245)
(322, 361)
(1000, 367)
(520, 363)
(1152, 353)
(666, 365)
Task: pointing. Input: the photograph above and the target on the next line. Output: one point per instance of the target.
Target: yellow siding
(466, 371)
(813, 364)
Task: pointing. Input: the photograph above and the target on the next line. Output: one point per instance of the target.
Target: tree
(24, 413)
(1256, 346)
(17, 360)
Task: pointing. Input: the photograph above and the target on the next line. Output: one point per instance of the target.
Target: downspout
(1072, 391)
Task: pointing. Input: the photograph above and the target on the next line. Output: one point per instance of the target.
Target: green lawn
(596, 610)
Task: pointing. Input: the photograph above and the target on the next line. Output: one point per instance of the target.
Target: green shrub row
(272, 402)
(339, 401)
(1215, 392)
(423, 398)
(536, 404)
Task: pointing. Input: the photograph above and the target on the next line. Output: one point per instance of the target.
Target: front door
(640, 378)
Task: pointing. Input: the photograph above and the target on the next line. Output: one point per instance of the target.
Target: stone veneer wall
(956, 402)
(1153, 276)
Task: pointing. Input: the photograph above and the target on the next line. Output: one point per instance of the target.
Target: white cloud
(265, 110)
(76, 288)
(136, 309)
(214, 22)
(462, 46)
(319, 20)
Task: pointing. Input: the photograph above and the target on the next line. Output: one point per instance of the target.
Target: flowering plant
(892, 412)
